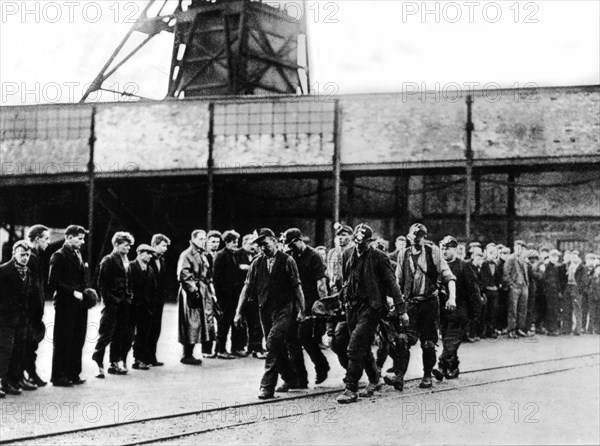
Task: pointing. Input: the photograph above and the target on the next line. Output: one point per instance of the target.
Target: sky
(50, 50)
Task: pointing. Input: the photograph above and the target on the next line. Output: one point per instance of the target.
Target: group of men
(133, 295)
(275, 297)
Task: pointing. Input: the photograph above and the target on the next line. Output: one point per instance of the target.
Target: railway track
(176, 426)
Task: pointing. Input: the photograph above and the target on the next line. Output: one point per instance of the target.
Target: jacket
(371, 273)
(278, 287)
(143, 287)
(14, 294)
(67, 275)
(225, 272)
(114, 280)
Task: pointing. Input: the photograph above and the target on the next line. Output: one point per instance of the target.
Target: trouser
(573, 295)
(15, 368)
(276, 324)
(531, 308)
(70, 326)
(585, 310)
(188, 350)
(340, 341)
(388, 343)
(143, 326)
(117, 329)
(566, 315)
(422, 324)
(502, 309)
(255, 329)
(225, 324)
(307, 337)
(362, 323)
(452, 327)
(517, 308)
(540, 308)
(154, 332)
(491, 311)
(552, 317)
(7, 343)
(31, 346)
(12, 351)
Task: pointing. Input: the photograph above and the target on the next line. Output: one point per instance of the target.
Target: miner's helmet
(362, 232)
(416, 230)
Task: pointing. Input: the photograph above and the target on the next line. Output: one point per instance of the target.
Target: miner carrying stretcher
(368, 280)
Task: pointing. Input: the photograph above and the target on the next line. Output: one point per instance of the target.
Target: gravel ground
(561, 408)
(175, 388)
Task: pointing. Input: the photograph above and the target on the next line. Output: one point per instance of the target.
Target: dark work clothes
(117, 324)
(423, 318)
(276, 324)
(275, 291)
(362, 323)
(15, 291)
(143, 284)
(67, 274)
(225, 279)
(311, 269)
(453, 323)
(251, 317)
(491, 280)
(551, 283)
(340, 341)
(423, 307)
(277, 287)
(35, 311)
(370, 279)
(160, 274)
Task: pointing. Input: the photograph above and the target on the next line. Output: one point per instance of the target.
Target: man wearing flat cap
(337, 328)
(313, 276)
(144, 289)
(274, 282)
(67, 281)
(368, 280)
(453, 321)
(16, 286)
(515, 275)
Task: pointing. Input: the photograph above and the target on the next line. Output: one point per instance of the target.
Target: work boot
(139, 365)
(321, 376)
(426, 383)
(452, 374)
(439, 374)
(116, 369)
(286, 387)
(265, 394)
(347, 397)
(190, 360)
(397, 381)
(370, 390)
